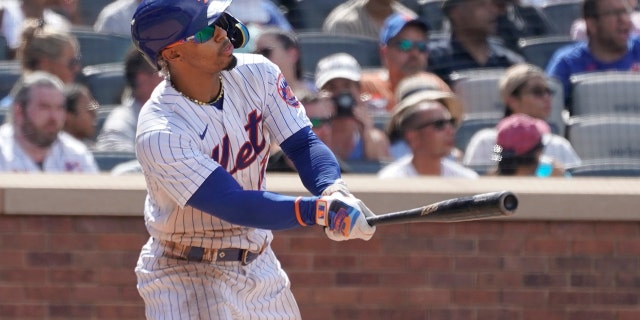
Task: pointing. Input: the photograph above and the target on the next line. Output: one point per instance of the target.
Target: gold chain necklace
(211, 102)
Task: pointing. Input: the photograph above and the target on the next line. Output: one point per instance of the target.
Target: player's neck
(201, 91)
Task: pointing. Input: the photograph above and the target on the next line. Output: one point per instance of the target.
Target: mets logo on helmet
(286, 93)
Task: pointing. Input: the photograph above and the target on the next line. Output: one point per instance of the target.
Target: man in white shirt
(34, 141)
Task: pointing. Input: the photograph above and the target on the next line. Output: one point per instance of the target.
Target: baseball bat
(468, 208)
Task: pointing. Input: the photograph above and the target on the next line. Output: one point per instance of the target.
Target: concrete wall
(68, 246)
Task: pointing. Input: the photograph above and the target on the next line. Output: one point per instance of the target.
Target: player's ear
(171, 54)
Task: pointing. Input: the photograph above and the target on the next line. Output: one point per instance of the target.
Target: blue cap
(396, 22)
(159, 23)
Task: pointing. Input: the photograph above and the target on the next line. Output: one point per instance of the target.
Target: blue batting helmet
(159, 23)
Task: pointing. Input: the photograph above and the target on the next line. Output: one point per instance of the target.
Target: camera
(344, 104)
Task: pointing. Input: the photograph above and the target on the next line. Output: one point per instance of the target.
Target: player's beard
(232, 63)
(37, 137)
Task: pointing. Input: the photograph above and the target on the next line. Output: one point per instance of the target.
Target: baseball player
(203, 142)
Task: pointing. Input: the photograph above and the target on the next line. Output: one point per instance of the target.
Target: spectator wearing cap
(470, 46)
(426, 119)
(404, 52)
(354, 134)
(362, 17)
(519, 148)
(524, 89)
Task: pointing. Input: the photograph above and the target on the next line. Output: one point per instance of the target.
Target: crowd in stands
(400, 118)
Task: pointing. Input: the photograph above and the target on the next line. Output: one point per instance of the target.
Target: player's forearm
(221, 196)
(316, 164)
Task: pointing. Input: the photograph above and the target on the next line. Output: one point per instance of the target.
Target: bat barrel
(476, 207)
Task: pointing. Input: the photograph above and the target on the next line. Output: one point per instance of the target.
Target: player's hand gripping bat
(476, 207)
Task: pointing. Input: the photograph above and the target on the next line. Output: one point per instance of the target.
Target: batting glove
(344, 217)
(337, 186)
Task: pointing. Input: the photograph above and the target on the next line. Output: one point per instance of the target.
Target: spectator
(81, 113)
(517, 21)
(14, 14)
(281, 47)
(119, 130)
(579, 27)
(362, 17)
(46, 49)
(68, 9)
(429, 87)
(353, 133)
(469, 47)
(404, 52)
(320, 109)
(609, 46)
(519, 148)
(524, 89)
(426, 120)
(116, 17)
(34, 140)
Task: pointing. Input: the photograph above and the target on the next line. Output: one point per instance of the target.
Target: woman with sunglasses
(524, 89)
(426, 120)
(203, 141)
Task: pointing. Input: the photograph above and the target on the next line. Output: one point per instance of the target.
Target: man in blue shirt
(609, 46)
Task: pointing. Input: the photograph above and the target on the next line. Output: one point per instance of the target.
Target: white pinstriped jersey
(66, 155)
(179, 143)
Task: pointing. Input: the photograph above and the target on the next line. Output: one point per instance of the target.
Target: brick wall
(81, 267)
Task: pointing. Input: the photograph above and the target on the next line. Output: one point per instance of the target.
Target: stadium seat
(610, 92)
(309, 15)
(106, 82)
(605, 137)
(100, 48)
(539, 50)
(106, 160)
(10, 72)
(562, 14)
(469, 126)
(317, 45)
(478, 92)
(606, 168)
(4, 48)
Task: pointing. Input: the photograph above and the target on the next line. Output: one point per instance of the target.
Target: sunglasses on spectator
(319, 122)
(205, 34)
(406, 45)
(439, 124)
(265, 52)
(540, 92)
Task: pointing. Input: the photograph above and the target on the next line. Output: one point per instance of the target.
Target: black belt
(199, 254)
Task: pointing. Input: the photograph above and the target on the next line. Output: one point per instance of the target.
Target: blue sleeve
(316, 164)
(220, 195)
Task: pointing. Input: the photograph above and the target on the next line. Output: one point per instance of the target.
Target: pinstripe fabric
(178, 289)
(179, 144)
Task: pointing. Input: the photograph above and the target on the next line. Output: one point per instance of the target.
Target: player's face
(612, 26)
(406, 54)
(207, 54)
(43, 117)
(533, 99)
(431, 133)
